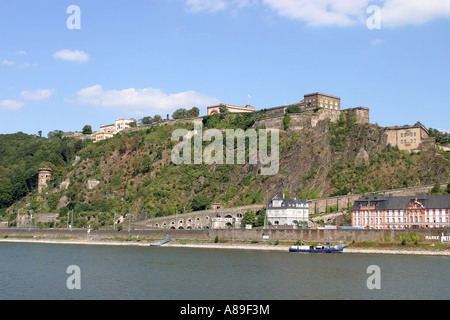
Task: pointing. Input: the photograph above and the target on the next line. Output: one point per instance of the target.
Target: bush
(293, 109)
(411, 237)
(286, 121)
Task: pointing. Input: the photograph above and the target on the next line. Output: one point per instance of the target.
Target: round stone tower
(45, 174)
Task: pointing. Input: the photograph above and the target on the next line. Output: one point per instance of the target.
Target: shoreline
(229, 246)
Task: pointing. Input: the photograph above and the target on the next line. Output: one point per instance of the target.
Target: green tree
(436, 189)
(146, 120)
(200, 202)
(260, 218)
(249, 218)
(223, 108)
(194, 112)
(183, 113)
(294, 108)
(286, 121)
(87, 129)
(55, 134)
(180, 114)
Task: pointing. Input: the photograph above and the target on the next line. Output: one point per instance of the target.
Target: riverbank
(227, 245)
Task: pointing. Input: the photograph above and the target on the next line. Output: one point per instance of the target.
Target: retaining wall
(427, 236)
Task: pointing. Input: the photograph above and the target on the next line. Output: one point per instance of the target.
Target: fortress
(314, 107)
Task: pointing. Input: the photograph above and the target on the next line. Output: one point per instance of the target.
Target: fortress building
(320, 100)
(412, 139)
(230, 109)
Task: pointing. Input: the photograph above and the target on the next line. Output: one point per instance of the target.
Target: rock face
(92, 184)
(63, 202)
(65, 184)
(362, 157)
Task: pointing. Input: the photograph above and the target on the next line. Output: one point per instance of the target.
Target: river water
(40, 271)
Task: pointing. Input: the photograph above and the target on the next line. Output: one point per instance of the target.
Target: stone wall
(347, 236)
(24, 218)
(360, 113)
(299, 121)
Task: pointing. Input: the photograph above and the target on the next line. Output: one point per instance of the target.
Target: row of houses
(374, 211)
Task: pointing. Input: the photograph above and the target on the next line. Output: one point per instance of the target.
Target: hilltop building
(321, 100)
(410, 138)
(378, 211)
(230, 109)
(109, 130)
(282, 211)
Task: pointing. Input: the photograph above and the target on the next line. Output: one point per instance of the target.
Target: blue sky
(140, 58)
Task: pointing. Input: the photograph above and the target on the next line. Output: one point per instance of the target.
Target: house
(287, 212)
(376, 211)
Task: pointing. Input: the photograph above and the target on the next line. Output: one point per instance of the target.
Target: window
(402, 135)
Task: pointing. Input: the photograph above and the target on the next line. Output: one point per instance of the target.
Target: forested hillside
(22, 155)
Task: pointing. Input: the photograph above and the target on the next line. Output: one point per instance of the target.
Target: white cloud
(142, 101)
(322, 12)
(71, 55)
(206, 5)
(11, 104)
(8, 62)
(38, 95)
(22, 52)
(217, 5)
(342, 13)
(397, 13)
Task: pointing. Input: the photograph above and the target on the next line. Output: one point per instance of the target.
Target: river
(40, 271)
